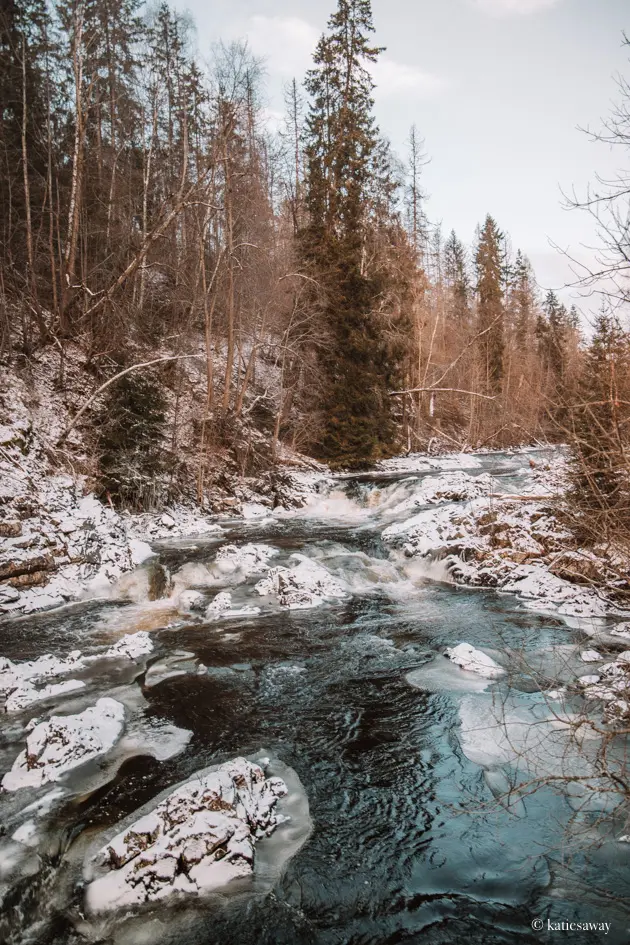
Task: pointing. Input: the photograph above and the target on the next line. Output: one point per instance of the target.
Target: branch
(439, 390)
(92, 397)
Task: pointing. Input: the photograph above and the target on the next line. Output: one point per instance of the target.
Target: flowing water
(413, 839)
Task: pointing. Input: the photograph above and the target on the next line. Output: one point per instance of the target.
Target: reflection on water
(405, 762)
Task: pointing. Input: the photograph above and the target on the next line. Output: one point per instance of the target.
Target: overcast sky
(497, 88)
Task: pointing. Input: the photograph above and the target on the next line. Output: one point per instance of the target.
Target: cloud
(513, 7)
(286, 43)
(396, 78)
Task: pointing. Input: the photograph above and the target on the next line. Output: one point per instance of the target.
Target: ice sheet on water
(62, 743)
(201, 836)
(474, 661)
(442, 675)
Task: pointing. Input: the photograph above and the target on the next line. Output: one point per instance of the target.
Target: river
(412, 838)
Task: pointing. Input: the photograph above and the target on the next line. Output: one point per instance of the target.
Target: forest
(314, 514)
(286, 278)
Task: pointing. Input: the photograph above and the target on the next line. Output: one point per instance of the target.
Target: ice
(248, 559)
(306, 585)
(521, 736)
(132, 646)
(590, 656)
(474, 661)
(444, 676)
(140, 551)
(62, 743)
(199, 837)
(27, 695)
(221, 608)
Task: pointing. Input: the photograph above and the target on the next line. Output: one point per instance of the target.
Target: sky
(498, 89)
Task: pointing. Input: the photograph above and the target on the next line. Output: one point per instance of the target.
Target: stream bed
(405, 760)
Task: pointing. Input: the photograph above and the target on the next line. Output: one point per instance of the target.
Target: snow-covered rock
(611, 686)
(221, 607)
(140, 551)
(27, 694)
(248, 559)
(450, 487)
(474, 661)
(306, 585)
(132, 647)
(189, 601)
(18, 680)
(591, 656)
(201, 836)
(62, 743)
(252, 510)
(13, 675)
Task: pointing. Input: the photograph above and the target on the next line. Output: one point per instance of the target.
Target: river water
(413, 839)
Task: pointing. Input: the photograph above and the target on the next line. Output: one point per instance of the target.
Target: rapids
(403, 825)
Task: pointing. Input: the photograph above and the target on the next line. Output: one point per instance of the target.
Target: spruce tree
(489, 262)
(552, 334)
(599, 471)
(342, 156)
(131, 432)
(457, 278)
(523, 299)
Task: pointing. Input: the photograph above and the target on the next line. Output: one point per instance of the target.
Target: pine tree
(457, 279)
(552, 330)
(523, 300)
(131, 435)
(342, 154)
(599, 471)
(489, 262)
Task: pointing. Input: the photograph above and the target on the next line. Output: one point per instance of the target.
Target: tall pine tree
(342, 155)
(490, 274)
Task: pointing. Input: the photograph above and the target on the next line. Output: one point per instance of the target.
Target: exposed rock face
(199, 837)
(62, 743)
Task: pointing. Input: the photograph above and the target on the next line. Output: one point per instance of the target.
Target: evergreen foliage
(599, 464)
(457, 278)
(344, 160)
(131, 434)
(489, 262)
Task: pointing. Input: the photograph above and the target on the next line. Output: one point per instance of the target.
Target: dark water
(409, 843)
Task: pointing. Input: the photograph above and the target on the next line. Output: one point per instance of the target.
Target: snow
(140, 551)
(221, 607)
(474, 661)
(132, 646)
(306, 585)
(248, 559)
(17, 680)
(590, 656)
(419, 462)
(62, 743)
(200, 837)
(452, 487)
(27, 695)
